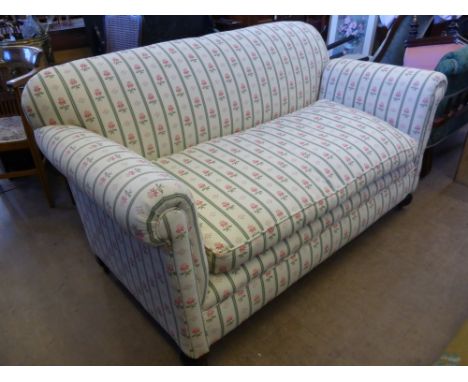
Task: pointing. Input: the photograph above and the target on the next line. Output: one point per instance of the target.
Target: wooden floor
(396, 295)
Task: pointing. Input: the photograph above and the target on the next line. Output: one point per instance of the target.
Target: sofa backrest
(163, 98)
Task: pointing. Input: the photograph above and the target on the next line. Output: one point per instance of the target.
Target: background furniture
(112, 33)
(392, 49)
(448, 54)
(122, 32)
(17, 65)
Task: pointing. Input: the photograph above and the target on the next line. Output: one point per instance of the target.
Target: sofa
(212, 173)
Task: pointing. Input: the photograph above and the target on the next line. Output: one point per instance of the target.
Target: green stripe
(51, 101)
(292, 67)
(219, 159)
(117, 77)
(195, 225)
(382, 84)
(174, 97)
(31, 97)
(143, 98)
(228, 217)
(215, 97)
(273, 66)
(107, 168)
(104, 87)
(233, 76)
(274, 45)
(161, 106)
(244, 148)
(266, 75)
(254, 69)
(246, 79)
(70, 96)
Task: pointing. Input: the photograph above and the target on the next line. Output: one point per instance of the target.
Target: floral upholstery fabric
(163, 98)
(11, 129)
(263, 284)
(164, 284)
(209, 178)
(406, 98)
(133, 191)
(256, 188)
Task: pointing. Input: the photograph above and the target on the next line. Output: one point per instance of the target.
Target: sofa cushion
(257, 187)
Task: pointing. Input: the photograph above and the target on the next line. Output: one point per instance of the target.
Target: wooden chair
(17, 65)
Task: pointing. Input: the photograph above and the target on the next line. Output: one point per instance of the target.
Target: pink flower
(184, 267)
(153, 193)
(190, 301)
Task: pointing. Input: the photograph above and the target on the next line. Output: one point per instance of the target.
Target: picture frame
(362, 26)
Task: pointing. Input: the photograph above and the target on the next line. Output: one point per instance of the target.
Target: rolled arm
(132, 190)
(404, 97)
(142, 198)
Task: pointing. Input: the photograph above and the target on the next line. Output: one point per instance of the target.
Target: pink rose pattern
(134, 192)
(193, 89)
(163, 282)
(239, 79)
(284, 175)
(226, 307)
(395, 94)
(156, 280)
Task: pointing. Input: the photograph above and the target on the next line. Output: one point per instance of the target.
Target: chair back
(15, 62)
(122, 32)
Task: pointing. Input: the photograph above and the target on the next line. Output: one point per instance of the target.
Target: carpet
(456, 353)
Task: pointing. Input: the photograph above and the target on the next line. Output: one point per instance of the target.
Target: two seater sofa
(211, 173)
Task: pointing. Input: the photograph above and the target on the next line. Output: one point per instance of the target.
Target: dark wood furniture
(17, 65)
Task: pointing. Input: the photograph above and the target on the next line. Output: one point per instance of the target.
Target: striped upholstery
(209, 178)
(255, 284)
(163, 98)
(256, 188)
(163, 287)
(406, 98)
(163, 283)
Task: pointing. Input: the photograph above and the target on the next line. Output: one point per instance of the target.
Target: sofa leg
(187, 361)
(104, 267)
(406, 201)
(426, 163)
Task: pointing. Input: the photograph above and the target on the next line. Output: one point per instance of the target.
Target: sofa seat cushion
(256, 188)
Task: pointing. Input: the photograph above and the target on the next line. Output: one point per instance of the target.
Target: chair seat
(256, 188)
(11, 129)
